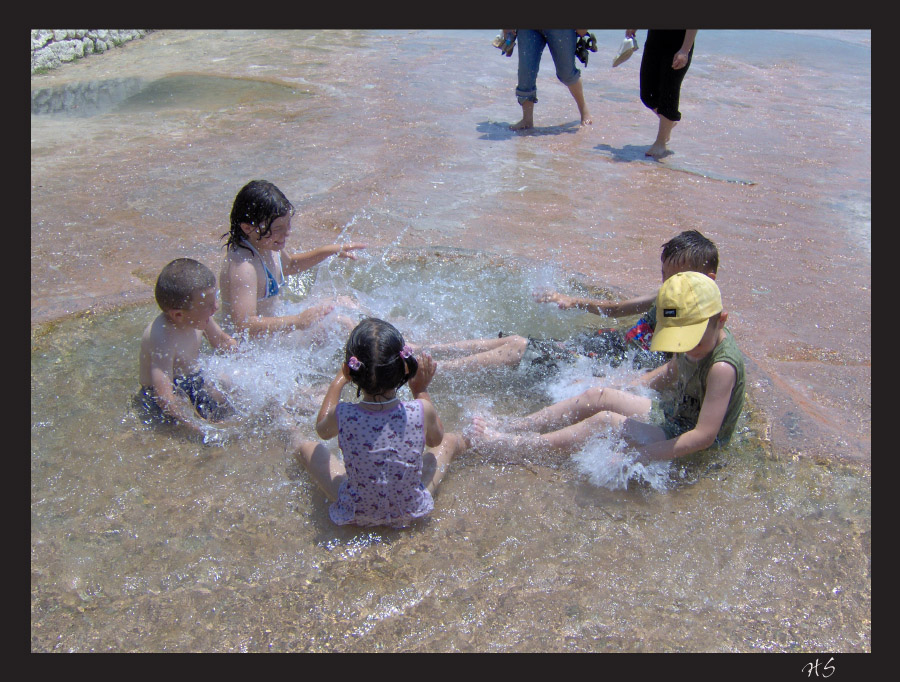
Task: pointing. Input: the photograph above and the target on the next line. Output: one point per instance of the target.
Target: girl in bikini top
(273, 285)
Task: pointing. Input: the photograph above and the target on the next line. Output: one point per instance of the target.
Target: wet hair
(179, 280)
(692, 249)
(258, 203)
(377, 345)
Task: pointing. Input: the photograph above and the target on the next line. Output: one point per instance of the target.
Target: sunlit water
(144, 540)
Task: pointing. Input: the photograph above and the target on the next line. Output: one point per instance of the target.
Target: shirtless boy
(172, 388)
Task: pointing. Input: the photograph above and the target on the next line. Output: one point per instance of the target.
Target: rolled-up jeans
(531, 44)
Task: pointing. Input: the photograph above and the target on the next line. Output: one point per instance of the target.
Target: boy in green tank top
(701, 388)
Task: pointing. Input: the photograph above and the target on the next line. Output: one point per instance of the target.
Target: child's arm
(719, 385)
(326, 422)
(659, 378)
(291, 265)
(434, 428)
(241, 292)
(172, 403)
(603, 308)
(218, 338)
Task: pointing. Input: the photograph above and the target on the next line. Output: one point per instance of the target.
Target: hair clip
(406, 351)
(354, 363)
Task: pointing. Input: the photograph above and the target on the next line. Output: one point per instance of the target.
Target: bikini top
(273, 286)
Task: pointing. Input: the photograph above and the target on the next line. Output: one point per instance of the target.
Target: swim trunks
(605, 346)
(207, 407)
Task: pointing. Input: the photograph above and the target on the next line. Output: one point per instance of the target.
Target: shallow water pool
(143, 540)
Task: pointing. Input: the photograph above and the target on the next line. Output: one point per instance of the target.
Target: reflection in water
(143, 540)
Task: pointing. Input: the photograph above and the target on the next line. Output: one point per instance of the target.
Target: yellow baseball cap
(684, 304)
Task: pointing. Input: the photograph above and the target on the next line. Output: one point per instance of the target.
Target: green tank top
(684, 407)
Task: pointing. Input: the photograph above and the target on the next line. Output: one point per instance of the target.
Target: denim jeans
(531, 44)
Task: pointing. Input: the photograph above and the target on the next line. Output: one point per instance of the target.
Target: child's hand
(312, 315)
(561, 300)
(424, 375)
(346, 250)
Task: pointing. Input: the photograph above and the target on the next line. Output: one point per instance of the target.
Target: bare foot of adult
(657, 151)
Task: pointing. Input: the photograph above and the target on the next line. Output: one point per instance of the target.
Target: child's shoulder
(154, 331)
(237, 255)
(161, 334)
(727, 351)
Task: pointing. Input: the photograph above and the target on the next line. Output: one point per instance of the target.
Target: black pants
(660, 83)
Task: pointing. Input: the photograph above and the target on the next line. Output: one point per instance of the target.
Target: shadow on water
(143, 540)
(631, 153)
(499, 130)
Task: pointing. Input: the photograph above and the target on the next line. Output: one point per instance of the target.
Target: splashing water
(143, 517)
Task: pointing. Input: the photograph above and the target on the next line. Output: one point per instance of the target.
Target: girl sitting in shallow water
(386, 476)
(256, 267)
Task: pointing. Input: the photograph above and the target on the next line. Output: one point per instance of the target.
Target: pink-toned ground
(405, 142)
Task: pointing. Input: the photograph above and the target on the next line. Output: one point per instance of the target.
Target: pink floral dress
(383, 458)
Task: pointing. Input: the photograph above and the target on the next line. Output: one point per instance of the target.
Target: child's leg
(437, 460)
(584, 406)
(565, 440)
(505, 351)
(572, 437)
(469, 346)
(325, 469)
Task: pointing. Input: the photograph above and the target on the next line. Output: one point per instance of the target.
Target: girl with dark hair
(256, 267)
(386, 476)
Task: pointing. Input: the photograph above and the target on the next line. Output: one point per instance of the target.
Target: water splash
(607, 463)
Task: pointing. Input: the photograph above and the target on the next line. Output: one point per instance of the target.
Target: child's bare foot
(517, 424)
(586, 118)
(488, 440)
(524, 124)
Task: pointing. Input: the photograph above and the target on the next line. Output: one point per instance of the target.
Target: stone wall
(51, 47)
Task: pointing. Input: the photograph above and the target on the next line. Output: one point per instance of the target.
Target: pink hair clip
(405, 352)
(354, 363)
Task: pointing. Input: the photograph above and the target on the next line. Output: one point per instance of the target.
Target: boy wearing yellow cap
(702, 387)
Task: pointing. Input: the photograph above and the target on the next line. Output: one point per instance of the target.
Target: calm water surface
(145, 541)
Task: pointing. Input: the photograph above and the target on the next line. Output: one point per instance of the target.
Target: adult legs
(578, 93)
(661, 89)
(562, 48)
(658, 148)
(531, 46)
